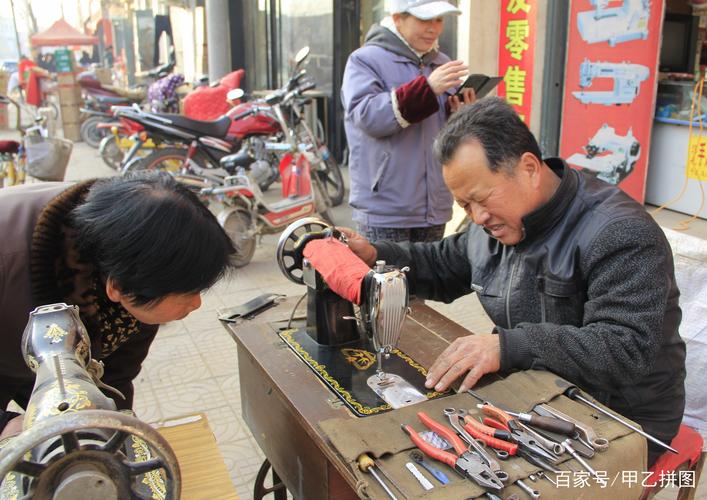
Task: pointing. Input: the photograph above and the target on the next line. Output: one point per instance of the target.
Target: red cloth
(34, 90)
(689, 443)
(416, 100)
(342, 270)
(209, 103)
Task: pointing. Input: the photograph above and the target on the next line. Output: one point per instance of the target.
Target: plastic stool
(689, 443)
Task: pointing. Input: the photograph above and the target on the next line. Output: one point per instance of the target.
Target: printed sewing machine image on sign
(355, 318)
(614, 23)
(74, 443)
(611, 157)
(627, 82)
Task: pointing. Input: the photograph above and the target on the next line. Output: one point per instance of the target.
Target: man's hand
(13, 427)
(468, 96)
(447, 76)
(360, 246)
(475, 354)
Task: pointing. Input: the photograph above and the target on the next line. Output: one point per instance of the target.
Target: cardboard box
(70, 96)
(66, 79)
(105, 75)
(72, 131)
(70, 114)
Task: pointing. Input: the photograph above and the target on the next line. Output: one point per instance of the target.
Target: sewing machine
(74, 443)
(627, 82)
(608, 155)
(624, 23)
(352, 349)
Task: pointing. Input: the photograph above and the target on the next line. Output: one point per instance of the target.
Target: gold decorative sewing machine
(352, 349)
(74, 443)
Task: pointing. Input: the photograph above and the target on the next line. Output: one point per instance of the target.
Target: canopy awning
(62, 33)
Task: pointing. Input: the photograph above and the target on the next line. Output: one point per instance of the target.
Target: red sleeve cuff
(416, 100)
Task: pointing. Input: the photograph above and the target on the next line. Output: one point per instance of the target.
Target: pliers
(468, 464)
(506, 433)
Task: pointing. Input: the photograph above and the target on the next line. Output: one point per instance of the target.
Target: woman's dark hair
(497, 127)
(152, 236)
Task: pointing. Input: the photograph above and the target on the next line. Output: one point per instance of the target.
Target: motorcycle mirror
(301, 55)
(235, 94)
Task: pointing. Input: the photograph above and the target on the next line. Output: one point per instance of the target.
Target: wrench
(570, 449)
(534, 494)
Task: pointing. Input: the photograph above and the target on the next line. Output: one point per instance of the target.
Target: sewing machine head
(382, 291)
(74, 443)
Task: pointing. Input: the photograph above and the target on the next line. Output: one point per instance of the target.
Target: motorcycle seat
(113, 101)
(9, 147)
(217, 128)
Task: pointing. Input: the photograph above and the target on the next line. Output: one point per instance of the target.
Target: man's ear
(112, 291)
(530, 165)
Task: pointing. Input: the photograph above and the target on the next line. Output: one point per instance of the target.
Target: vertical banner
(610, 89)
(515, 54)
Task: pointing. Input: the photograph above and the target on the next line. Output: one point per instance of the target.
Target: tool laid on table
(532, 492)
(574, 393)
(466, 463)
(456, 420)
(548, 423)
(585, 435)
(390, 479)
(568, 447)
(366, 464)
(419, 458)
(424, 482)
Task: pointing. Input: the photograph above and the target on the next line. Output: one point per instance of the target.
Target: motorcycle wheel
(90, 133)
(333, 181)
(110, 152)
(169, 159)
(236, 223)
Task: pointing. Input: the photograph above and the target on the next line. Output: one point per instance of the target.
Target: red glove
(342, 270)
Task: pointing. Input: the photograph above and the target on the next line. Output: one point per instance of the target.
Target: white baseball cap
(422, 9)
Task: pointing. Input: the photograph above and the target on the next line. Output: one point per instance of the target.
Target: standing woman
(398, 91)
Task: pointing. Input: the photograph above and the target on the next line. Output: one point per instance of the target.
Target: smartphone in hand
(481, 84)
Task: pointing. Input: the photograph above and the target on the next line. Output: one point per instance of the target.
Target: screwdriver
(574, 393)
(548, 423)
(366, 464)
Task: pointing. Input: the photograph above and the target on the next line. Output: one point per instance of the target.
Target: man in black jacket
(577, 278)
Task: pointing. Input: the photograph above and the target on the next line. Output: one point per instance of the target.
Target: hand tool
(542, 475)
(526, 442)
(544, 441)
(392, 481)
(366, 464)
(533, 493)
(574, 393)
(503, 438)
(548, 423)
(568, 447)
(456, 419)
(419, 458)
(468, 464)
(418, 475)
(586, 435)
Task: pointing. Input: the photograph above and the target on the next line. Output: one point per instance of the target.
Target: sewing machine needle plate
(395, 390)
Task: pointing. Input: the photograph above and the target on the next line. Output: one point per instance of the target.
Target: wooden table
(283, 401)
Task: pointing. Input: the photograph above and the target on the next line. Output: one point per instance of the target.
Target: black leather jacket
(589, 294)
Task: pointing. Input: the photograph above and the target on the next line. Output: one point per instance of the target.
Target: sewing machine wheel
(88, 468)
(286, 258)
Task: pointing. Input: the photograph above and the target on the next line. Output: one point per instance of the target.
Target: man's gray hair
(496, 126)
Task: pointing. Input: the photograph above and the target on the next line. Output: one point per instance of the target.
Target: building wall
(478, 42)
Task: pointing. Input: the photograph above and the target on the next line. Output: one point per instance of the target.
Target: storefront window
(307, 22)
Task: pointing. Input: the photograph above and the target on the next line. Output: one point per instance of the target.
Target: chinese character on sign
(667, 478)
(581, 479)
(515, 85)
(602, 478)
(517, 32)
(563, 479)
(648, 480)
(686, 479)
(515, 5)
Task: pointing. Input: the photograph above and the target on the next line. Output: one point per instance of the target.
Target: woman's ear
(112, 291)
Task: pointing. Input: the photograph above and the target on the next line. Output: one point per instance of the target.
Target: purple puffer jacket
(162, 94)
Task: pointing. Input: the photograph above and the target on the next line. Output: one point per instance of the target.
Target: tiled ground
(192, 365)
